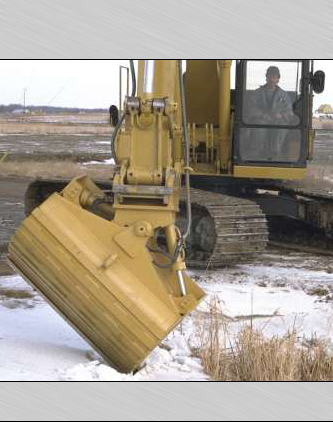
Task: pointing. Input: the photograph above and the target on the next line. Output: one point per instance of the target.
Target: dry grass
(252, 357)
(15, 294)
(5, 270)
(58, 128)
(53, 170)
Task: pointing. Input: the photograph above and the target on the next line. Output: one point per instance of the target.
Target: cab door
(272, 118)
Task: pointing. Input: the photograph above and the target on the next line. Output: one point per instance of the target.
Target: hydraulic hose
(181, 243)
(132, 67)
(187, 151)
(122, 118)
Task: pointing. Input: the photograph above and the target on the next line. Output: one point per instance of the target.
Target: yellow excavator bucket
(102, 279)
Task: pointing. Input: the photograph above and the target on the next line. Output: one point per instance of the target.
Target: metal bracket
(142, 190)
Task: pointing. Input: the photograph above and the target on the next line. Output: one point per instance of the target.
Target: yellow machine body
(110, 279)
(211, 122)
(101, 278)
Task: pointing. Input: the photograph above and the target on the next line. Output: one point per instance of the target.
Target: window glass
(272, 94)
(270, 144)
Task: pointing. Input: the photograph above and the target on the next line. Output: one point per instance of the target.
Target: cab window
(271, 111)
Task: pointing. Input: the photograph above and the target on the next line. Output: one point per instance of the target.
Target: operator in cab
(271, 106)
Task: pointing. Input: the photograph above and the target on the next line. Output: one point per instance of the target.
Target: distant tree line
(50, 109)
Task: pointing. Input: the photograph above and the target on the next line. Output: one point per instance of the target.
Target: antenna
(25, 90)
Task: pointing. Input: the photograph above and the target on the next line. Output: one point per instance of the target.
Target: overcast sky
(83, 83)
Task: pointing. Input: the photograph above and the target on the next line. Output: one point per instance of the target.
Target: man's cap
(273, 71)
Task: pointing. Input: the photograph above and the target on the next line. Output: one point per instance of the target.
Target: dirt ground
(61, 124)
(39, 145)
(23, 157)
(11, 213)
(25, 149)
(58, 118)
(52, 156)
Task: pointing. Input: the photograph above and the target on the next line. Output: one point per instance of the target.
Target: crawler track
(301, 248)
(225, 229)
(315, 206)
(308, 192)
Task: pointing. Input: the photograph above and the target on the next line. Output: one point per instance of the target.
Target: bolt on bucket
(101, 278)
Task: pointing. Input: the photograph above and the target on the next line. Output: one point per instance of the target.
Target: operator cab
(273, 112)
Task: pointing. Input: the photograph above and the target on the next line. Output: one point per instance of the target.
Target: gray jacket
(264, 110)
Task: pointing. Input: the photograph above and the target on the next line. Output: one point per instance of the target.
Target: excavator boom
(113, 281)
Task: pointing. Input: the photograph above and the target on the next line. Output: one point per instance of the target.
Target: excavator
(200, 166)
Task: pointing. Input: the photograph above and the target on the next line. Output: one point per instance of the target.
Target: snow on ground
(105, 162)
(276, 292)
(108, 142)
(37, 345)
(328, 178)
(274, 299)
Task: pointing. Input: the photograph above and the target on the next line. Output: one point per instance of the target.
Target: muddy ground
(323, 151)
(38, 148)
(49, 145)
(11, 213)
(60, 145)
(82, 147)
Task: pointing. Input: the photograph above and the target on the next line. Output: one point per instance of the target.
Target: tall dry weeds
(250, 356)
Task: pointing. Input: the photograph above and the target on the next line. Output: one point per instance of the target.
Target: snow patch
(105, 162)
(104, 142)
(92, 371)
(163, 364)
(271, 294)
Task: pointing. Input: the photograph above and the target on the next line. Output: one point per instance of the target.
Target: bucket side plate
(116, 300)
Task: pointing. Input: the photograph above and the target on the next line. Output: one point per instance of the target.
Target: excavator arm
(121, 281)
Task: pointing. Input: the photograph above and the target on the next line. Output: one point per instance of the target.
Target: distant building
(325, 109)
(20, 111)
